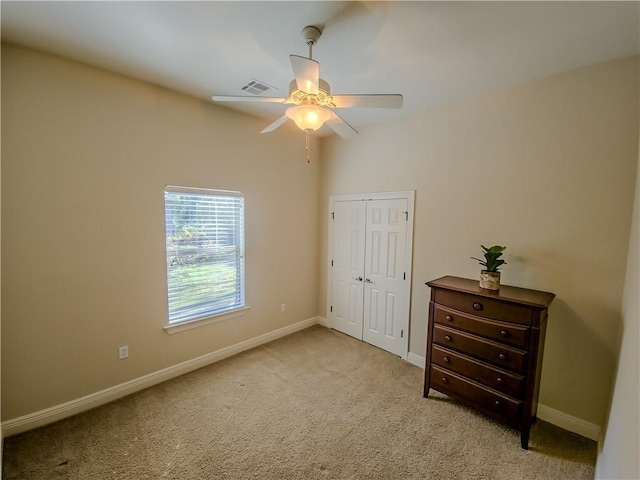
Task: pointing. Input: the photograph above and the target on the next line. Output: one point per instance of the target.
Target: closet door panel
(385, 282)
(348, 267)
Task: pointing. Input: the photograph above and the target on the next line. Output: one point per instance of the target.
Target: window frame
(206, 318)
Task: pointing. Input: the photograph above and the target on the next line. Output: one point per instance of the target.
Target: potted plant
(490, 276)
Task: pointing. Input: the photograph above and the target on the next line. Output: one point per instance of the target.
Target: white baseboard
(548, 414)
(324, 322)
(416, 360)
(569, 422)
(58, 412)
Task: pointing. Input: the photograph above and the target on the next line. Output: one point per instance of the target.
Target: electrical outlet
(283, 307)
(123, 352)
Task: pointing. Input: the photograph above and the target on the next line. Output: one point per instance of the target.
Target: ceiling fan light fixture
(308, 117)
(311, 98)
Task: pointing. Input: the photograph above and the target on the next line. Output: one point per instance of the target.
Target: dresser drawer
(484, 307)
(495, 353)
(493, 402)
(513, 334)
(500, 380)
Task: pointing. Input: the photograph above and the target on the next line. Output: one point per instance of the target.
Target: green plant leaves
(492, 258)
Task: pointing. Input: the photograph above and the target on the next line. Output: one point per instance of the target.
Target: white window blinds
(205, 252)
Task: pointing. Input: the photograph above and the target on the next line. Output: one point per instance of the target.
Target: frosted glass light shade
(308, 117)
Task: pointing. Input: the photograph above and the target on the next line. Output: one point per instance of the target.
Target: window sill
(201, 322)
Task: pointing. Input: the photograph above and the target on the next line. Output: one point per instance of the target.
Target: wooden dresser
(485, 348)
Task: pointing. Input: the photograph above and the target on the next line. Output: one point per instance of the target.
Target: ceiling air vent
(256, 87)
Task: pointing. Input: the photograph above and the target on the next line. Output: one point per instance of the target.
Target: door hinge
(401, 333)
(406, 216)
(331, 308)
(333, 216)
(332, 263)
(404, 276)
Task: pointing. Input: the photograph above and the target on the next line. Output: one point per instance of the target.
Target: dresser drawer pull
(500, 380)
(504, 333)
(447, 338)
(502, 356)
(477, 306)
(446, 359)
(445, 380)
(449, 317)
(497, 403)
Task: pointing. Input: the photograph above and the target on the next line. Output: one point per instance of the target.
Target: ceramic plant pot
(490, 280)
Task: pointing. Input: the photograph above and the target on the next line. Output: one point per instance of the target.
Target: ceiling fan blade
(368, 101)
(342, 128)
(281, 121)
(307, 73)
(239, 98)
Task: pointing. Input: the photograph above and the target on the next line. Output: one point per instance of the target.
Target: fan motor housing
(323, 97)
(323, 86)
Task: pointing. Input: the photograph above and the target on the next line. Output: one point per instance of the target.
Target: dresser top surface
(506, 293)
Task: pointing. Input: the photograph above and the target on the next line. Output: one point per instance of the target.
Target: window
(205, 252)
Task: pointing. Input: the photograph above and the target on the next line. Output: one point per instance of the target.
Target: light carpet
(314, 405)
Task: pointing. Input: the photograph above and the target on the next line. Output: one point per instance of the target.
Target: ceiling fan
(311, 99)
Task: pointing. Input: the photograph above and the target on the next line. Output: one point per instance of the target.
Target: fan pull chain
(307, 147)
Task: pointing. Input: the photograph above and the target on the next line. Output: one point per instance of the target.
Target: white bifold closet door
(369, 278)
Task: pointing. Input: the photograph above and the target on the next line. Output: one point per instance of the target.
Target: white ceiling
(431, 52)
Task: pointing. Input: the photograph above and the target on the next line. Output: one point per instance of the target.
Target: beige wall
(546, 168)
(85, 157)
(618, 452)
